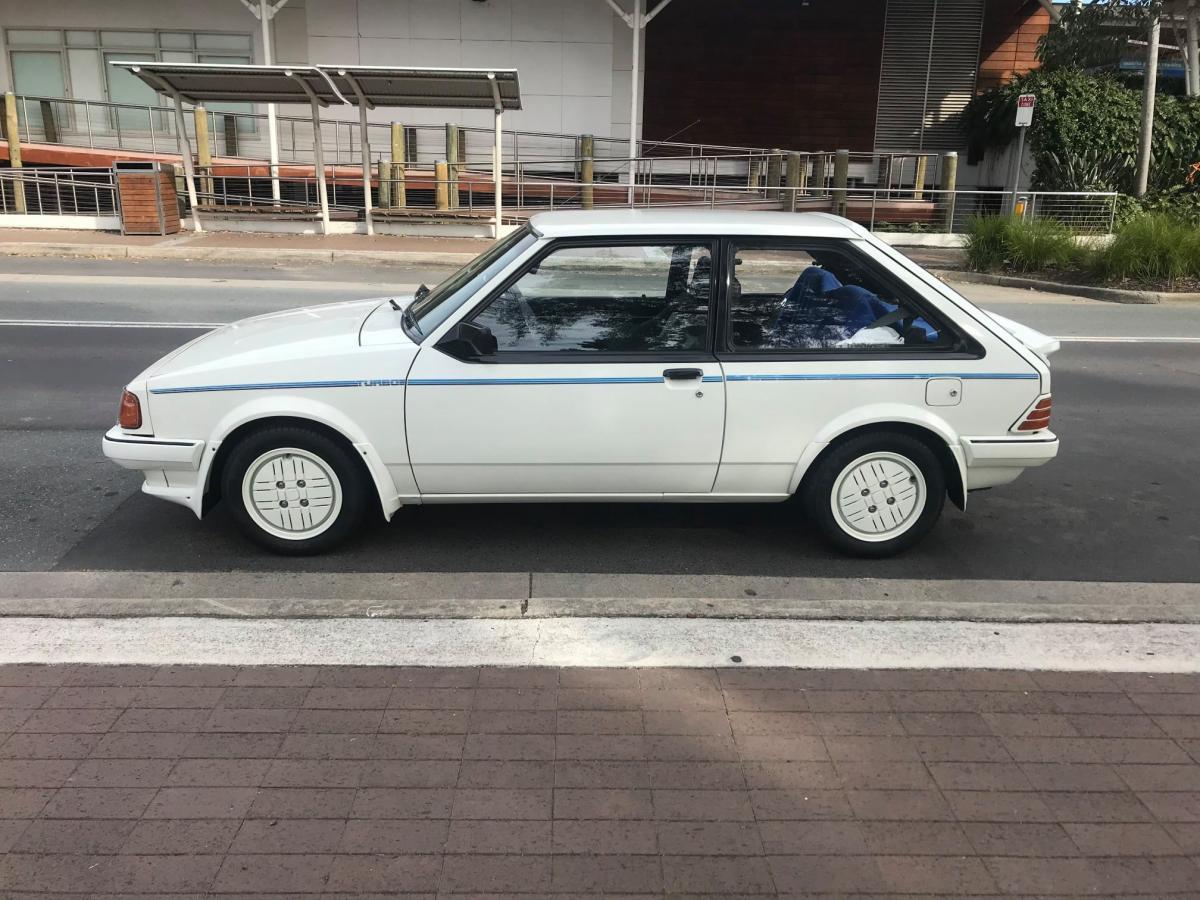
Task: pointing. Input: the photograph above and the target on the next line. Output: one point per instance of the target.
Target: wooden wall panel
(765, 73)
(1011, 31)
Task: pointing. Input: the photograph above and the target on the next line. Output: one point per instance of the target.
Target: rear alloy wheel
(293, 490)
(876, 495)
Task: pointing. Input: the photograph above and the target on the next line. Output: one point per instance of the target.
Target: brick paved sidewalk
(342, 782)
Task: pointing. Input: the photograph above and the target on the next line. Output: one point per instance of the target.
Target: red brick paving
(190, 782)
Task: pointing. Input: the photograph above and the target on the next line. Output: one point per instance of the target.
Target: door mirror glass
(468, 341)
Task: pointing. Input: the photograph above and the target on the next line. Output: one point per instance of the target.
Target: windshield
(430, 311)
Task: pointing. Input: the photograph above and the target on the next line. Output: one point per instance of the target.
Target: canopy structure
(366, 87)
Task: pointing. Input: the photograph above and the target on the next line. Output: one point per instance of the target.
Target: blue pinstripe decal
(280, 386)
(483, 382)
(891, 376)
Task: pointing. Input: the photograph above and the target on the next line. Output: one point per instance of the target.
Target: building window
(74, 63)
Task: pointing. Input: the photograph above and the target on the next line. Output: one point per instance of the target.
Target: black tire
(349, 486)
(822, 480)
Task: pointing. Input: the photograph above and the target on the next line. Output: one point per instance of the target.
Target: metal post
(452, 165)
(774, 166)
(497, 155)
(498, 172)
(264, 18)
(841, 178)
(364, 146)
(441, 179)
(319, 163)
(189, 171)
(203, 150)
(1016, 175)
(1193, 50)
(385, 185)
(399, 158)
(587, 170)
(949, 185)
(1149, 86)
(635, 23)
(792, 179)
(12, 130)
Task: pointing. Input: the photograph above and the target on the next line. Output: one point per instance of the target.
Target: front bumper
(992, 461)
(137, 452)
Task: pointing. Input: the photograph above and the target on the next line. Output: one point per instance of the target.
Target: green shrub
(987, 242)
(1151, 247)
(995, 242)
(1041, 244)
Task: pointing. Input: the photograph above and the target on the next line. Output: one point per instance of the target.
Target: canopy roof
(369, 86)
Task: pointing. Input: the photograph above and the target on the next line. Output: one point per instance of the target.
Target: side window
(617, 299)
(820, 298)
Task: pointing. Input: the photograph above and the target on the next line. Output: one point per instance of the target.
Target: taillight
(1039, 416)
(131, 411)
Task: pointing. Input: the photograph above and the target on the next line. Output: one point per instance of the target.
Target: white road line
(34, 280)
(103, 323)
(603, 642)
(1128, 340)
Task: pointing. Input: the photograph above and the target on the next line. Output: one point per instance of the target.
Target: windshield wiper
(422, 293)
(396, 306)
(409, 321)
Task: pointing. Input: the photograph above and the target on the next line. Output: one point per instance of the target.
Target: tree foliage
(1085, 131)
(1093, 36)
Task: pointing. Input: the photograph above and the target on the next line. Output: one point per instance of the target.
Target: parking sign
(1025, 104)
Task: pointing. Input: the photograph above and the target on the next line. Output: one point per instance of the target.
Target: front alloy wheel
(294, 490)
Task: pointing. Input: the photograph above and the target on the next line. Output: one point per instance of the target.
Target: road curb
(517, 595)
(1092, 292)
(236, 254)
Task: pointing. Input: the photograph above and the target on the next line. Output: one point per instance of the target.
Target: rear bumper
(135, 452)
(993, 461)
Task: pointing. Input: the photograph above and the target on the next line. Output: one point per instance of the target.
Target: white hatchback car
(663, 355)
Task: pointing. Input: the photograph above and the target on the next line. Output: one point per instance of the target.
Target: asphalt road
(1121, 503)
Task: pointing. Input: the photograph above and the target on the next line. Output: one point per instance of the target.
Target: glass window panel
(81, 39)
(29, 37)
(223, 42)
(87, 75)
(175, 40)
(38, 73)
(178, 56)
(128, 38)
(125, 87)
(618, 299)
(820, 299)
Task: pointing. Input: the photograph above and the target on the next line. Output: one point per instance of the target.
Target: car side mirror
(468, 342)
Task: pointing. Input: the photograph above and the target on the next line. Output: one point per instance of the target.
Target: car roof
(603, 222)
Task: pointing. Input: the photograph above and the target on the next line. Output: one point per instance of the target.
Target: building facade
(796, 74)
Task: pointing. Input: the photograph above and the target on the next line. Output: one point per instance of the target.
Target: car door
(602, 381)
(815, 332)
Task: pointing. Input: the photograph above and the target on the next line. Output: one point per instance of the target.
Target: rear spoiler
(1041, 344)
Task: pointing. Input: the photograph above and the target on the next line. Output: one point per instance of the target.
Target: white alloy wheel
(292, 494)
(878, 496)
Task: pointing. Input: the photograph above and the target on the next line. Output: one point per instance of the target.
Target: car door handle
(683, 374)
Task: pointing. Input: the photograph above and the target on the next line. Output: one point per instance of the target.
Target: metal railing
(58, 192)
(246, 189)
(243, 134)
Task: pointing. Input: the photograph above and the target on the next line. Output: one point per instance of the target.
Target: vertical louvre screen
(927, 74)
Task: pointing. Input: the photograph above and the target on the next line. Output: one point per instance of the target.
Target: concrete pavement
(335, 782)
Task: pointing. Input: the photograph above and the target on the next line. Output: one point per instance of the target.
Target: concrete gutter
(233, 254)
(1092, 292)
(531, 595)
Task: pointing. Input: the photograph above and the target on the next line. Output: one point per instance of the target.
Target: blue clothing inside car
(819, 305)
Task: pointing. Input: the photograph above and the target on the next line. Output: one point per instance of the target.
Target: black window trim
(965, 347)
(601, 357)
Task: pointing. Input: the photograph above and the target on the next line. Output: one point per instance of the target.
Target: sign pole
(1025, 105)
